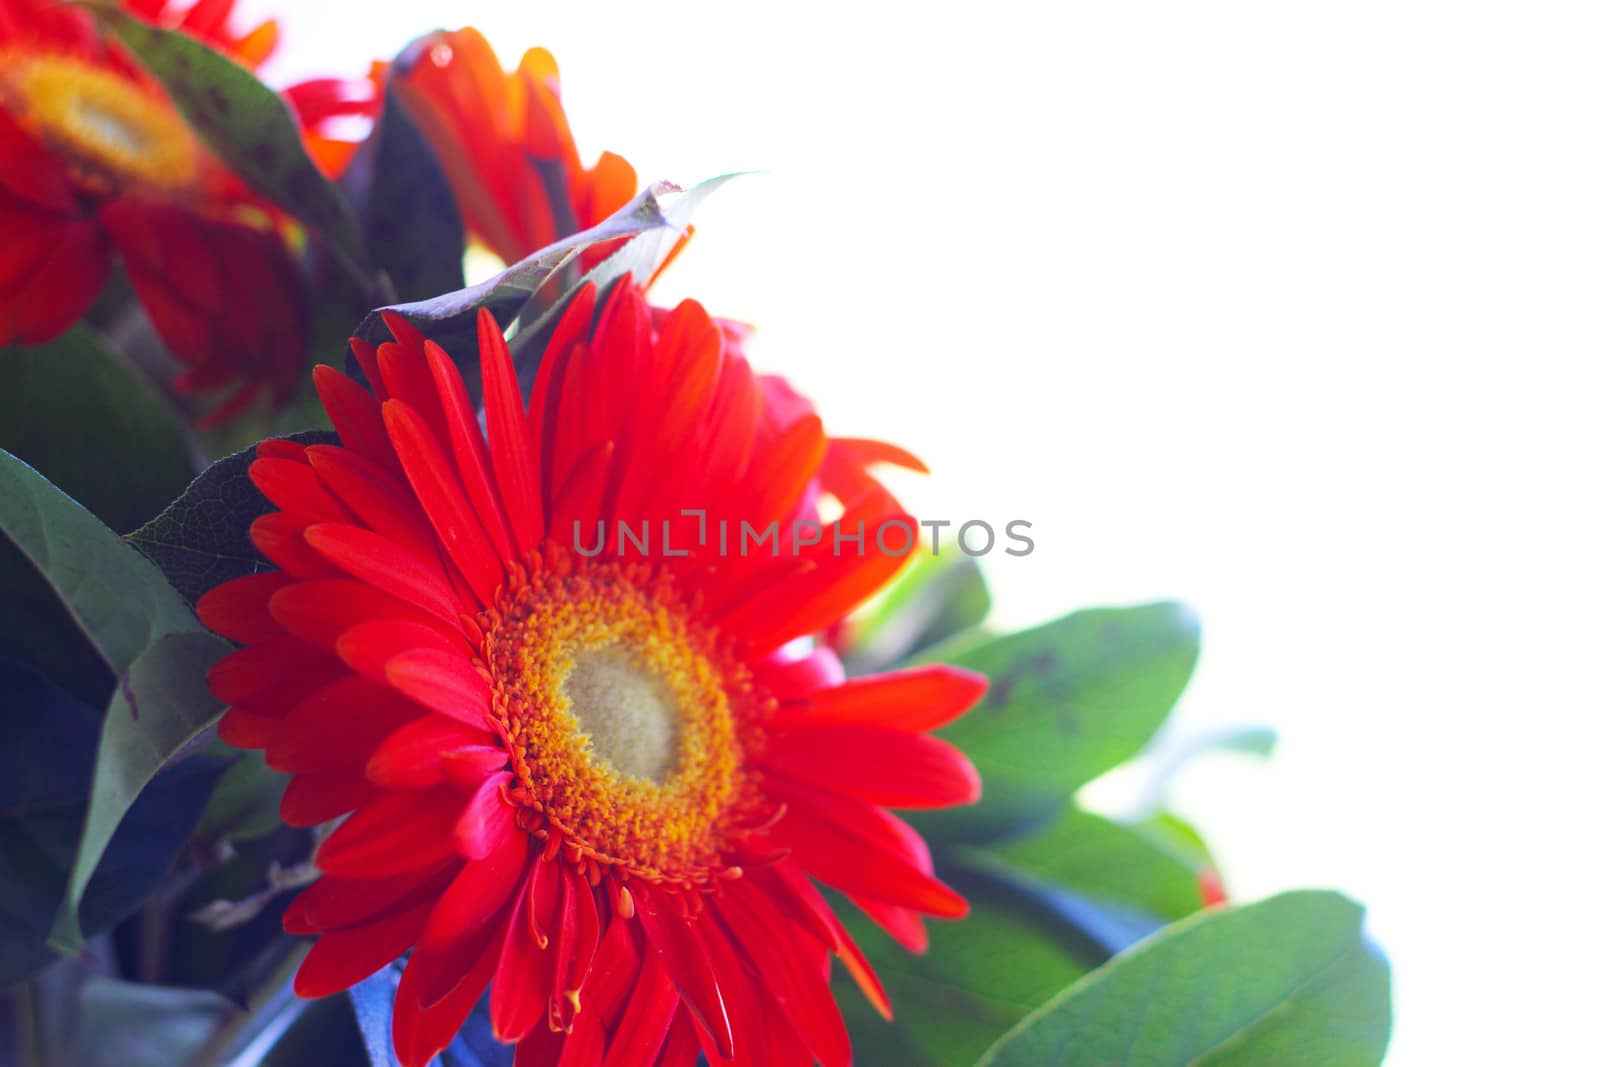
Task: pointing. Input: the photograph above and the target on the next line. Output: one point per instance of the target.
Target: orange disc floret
(97, 166)
(599, 783)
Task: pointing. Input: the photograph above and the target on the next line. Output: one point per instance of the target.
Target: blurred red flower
(98, 167)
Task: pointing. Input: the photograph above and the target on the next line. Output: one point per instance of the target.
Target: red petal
(329, 903)
(421, 1032)
(649, 1014)
(355, 415)
(409, 757)
(902, 924)
(443, 681)
(466, 445)
(396, 833)
(442, 499)
(294, 487)
(344, 957)
(339, 725)
(384, 565)
(514, 462)
(378, 498)
(676, 942)
(313, 799)
(238, 609)
(278, 535)
(876, 764)
(488, 822)
(804, 993)
(521, 989)
(919, 698)
(863, 853)
(320, 612)
(575, 942)
(477, 893)
(263, 666)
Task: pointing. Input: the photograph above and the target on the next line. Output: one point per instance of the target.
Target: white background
(1285, 310)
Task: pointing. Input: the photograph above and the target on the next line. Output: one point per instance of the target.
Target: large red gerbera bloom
(97, 166)
(597, 779)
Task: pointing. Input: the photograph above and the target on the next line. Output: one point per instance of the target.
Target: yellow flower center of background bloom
(113, 131)
(628, 722)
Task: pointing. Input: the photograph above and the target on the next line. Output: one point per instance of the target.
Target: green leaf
(248, 126)
(668, 214)
(979, 978)
(131, 1024)
(534, 289)
(146, 635)
(76, 413)
(202, 539)
(1104, 859)
(1067, 702)
(47, 751)
(116, 597)
(244, 806)
(408, 214)
(159, 712)
(935, 599)
(1288, 980)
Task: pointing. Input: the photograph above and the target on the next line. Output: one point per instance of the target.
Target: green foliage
(1067, 702)
(409, 218)
(1288, 980)
(47, 755)
(935, 599)
(69, 404)
(202, 539)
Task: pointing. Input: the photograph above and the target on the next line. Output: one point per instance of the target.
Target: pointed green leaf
(408, 214)
(1288, 980)
(116, 596)
(1067, 702)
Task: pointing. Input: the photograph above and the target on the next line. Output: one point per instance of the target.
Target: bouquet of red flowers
(513, 659)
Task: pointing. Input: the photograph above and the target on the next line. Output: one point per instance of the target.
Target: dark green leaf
(1288, 980)
(408, 215)
(1067, 702)
(117, 598)
(159, 711)
(668, 215)
(245, 803)
(247, 125)
(533, 288)
(202, 539)
(77, 414)
(47, 746)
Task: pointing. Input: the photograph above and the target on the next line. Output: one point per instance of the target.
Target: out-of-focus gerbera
(327, 107)
(505, 145)
(600, 782)
(97, 166)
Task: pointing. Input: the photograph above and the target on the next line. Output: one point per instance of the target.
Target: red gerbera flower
(598, 785)
(96, 164)
(505, 146)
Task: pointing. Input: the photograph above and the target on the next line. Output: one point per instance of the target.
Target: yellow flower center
(628, 722)
(113, 131)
